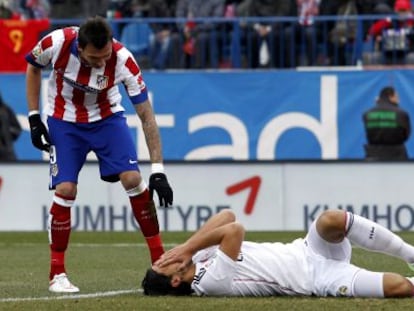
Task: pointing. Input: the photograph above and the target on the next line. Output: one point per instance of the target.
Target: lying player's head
(158, 284)
(95, 41)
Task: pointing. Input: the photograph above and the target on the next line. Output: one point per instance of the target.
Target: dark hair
(386, 93)
(95, 31)
(156, 284)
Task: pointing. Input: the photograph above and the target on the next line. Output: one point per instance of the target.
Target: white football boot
(61, 284)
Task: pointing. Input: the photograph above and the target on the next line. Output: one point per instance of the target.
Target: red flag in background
(18, 37)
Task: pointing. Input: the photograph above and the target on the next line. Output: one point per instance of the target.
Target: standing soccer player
(85, 114)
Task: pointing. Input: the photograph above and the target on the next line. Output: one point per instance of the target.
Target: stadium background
(278, 126)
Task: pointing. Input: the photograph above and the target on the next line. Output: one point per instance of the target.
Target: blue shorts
(110, 139)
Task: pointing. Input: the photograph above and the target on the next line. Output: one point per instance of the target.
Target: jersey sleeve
(41, 55)
(215, 276)
(133, 81)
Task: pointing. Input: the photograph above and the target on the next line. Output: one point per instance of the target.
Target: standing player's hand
(159, 183)
(38, 133)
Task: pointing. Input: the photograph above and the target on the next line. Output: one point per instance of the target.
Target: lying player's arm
(221, 229)
(229, 237)
(222, 218)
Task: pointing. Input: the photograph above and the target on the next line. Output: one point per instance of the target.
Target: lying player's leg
(334, 225)
(396, 285)
(326, 236)
(378, 285)
(331, 225)
(374, 237)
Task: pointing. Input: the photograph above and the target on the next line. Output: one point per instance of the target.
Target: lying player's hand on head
(177, 254)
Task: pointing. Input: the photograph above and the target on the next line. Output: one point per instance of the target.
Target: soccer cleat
(61, 284)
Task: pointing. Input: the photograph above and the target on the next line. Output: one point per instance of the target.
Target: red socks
(57, 263)
(155, 247)
(60, 228)
(146, 216)
(59, 232)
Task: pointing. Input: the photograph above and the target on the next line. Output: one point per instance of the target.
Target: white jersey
(80, 93)
(262, 269)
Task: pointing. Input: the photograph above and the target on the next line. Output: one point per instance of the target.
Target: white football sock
(372, 236)
(368, 284)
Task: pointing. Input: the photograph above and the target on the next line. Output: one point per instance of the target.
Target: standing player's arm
(151, 131)
(33, 81)
(38, 131)
(221, 229)
(158, 180)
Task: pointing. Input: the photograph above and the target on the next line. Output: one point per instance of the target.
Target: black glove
(159, 183)
(38, 133)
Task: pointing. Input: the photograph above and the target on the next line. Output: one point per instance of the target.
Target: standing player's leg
(117, 156)
(144, 211)
(67, 155)
(59, 229)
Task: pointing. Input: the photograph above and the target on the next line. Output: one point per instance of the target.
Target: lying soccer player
(216, 261)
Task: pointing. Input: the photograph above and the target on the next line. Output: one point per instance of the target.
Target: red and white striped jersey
(80, 93)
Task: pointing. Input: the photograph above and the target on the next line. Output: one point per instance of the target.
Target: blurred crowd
(302, 39)
(24, 9)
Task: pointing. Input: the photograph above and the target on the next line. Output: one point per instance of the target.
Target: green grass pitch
(108, 268)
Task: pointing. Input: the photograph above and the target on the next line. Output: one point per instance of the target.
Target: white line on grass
(117, 244)
(74, 296)
(97, 244)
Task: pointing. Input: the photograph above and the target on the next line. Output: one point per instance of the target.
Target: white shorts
(331, 270)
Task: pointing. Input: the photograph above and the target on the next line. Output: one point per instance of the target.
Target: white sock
(368, 284)
(372, 236)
